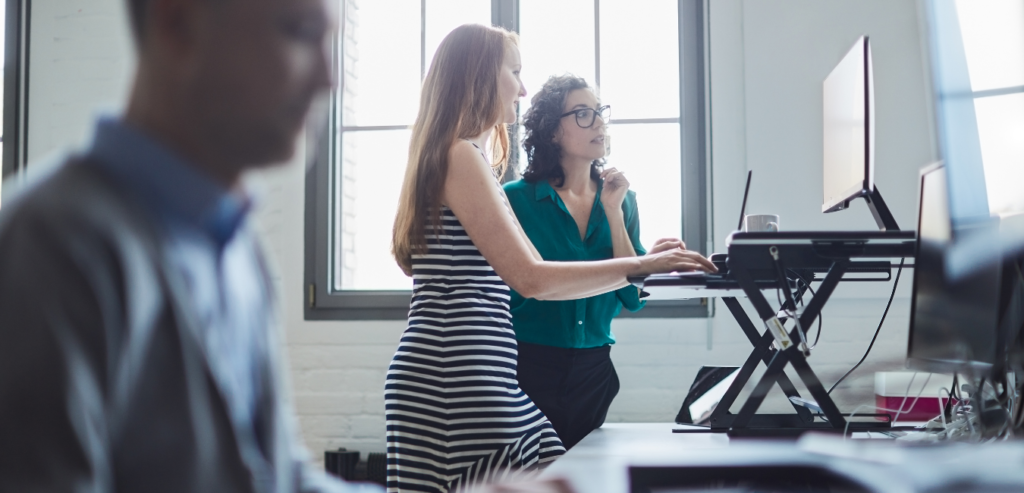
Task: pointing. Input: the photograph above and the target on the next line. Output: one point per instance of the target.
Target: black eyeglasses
(585, 117)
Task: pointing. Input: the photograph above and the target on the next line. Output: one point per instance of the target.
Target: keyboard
(803, 253)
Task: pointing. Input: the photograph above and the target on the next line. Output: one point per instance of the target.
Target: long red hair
(459, 100)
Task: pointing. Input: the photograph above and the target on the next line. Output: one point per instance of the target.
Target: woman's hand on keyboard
(674, 260)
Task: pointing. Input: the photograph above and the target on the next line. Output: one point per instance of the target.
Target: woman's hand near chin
(614, 191)
(673, 260)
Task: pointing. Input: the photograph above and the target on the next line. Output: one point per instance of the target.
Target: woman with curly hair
(572, 209)
(454, 411)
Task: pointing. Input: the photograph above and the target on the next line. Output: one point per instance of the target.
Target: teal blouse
(582, 323)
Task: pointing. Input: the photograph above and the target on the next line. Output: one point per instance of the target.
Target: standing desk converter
(767, 261)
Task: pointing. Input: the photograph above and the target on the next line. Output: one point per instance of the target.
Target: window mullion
(597, 44)
(505, 14)
(423, 39)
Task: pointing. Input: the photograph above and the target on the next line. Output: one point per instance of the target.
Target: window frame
(15, 115)
(321, 302)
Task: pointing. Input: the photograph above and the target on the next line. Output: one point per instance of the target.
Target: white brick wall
(768, 57)
(80, 64)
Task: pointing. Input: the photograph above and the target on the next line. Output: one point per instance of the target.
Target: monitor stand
(746, 262)
(880, 211)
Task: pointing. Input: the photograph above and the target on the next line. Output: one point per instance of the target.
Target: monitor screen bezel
(866, 185)
(938, 365)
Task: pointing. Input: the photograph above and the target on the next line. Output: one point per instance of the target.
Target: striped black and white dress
(455, 412)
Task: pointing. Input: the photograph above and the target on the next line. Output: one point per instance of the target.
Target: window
(646, 61)
(9, 14)
(14, 37)
(3, 26)
(993, 42)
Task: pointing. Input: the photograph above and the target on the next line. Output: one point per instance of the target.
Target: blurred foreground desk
(602, 462)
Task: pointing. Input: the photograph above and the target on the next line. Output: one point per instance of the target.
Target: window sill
(394, 305)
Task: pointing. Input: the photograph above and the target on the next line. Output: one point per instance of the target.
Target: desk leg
(775, 370)
(756, 397)
(792, 355)
(764, 310)
(765, 353)
(742, 377)
(824, 292)
(753, 335)
(825, 402)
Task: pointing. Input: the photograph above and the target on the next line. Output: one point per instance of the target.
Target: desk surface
(601, 461)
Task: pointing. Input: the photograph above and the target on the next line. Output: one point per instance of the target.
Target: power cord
(780, 270)
(947, 409)
(879, 329)
(907, 394)
(809, 288)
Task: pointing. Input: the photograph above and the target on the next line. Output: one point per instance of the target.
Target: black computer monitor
(976, 59)
(848, 124)
(954, 325)
(1011, 310)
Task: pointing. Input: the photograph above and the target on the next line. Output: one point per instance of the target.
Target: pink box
(891, 391)
(926, 407)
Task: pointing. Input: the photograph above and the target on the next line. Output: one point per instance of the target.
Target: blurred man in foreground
(137, 347)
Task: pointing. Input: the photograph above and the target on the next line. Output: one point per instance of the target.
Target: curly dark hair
(543, 155)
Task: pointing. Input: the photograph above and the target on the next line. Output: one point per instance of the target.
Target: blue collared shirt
(204, 238)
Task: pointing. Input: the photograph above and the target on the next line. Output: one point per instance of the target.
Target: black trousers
(572, 387)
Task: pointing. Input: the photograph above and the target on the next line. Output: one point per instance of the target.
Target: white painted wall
(768, 58)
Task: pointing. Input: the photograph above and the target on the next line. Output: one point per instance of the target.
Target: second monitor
(954, 325)
(848, 161)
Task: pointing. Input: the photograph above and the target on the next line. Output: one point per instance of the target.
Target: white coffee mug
(766, 223)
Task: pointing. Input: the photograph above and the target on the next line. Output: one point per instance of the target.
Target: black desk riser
(753, 267)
